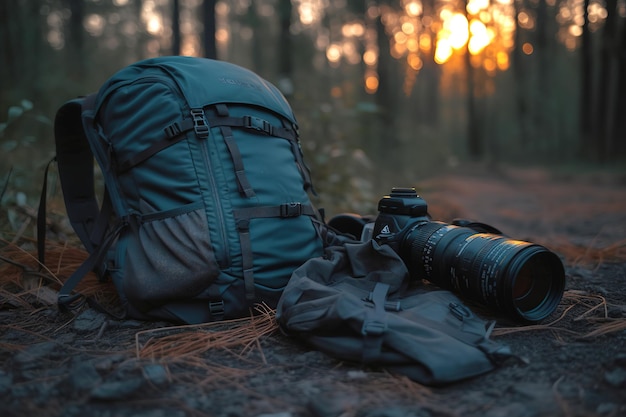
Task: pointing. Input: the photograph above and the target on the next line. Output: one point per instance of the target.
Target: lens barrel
(521, 279)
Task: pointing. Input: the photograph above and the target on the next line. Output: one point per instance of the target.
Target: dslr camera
(521, 279)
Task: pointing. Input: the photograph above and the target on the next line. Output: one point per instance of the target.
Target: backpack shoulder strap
(75, 165)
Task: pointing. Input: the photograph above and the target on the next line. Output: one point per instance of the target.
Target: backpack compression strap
(243, 217)
(375, 324)
(218, 116)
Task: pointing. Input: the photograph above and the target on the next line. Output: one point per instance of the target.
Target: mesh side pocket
(168, 259)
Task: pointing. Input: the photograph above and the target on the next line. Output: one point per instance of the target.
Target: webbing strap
(375, 324)
(243, 217)
(305, 172)
(294, 209)
(254, 123)
(41, 217)
(243, 226)
(140, 157)
(65, 298)
(243, 184)
(175, 133)
(242, 180)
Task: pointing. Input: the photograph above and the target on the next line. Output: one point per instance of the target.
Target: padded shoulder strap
(75, 164)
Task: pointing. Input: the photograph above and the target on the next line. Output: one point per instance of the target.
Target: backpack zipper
(223, 258)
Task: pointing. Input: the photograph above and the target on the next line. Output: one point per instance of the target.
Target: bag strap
(375, 324)
(41, 217)
(90, 222)
(242, 219)
(75, 164)
(66, 300)
(243, 184)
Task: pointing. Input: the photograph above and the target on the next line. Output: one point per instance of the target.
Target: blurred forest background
(387, 92)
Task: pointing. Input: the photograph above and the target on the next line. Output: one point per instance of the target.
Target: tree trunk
(587, 106)
(210, 48)
(520, 74)
(10, 56)
(76, 39)
(176, 27)
(543, 94)
(385, 94)
(620, 108)
(285, 10)
(608, 82)
(259, 43)
(474, 139)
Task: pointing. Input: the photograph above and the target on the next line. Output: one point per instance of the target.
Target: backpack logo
(386, 230)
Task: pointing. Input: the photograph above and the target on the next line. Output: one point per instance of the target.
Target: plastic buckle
(173, 130)
(373, 328)
(200, 124)
(459, 311)
(216, 309)
(257, 123)
(243, 225)
(290, 210)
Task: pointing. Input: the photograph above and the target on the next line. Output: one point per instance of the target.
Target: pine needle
(21, 272)
(576, 300)
(191, 340)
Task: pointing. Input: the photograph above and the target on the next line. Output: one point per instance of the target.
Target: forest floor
(56, 364)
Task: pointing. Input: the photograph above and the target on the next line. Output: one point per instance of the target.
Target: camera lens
(522, 279)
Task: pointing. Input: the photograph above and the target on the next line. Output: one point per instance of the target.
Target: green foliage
(21, 149)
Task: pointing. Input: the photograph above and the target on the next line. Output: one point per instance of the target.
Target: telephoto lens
(521, 279)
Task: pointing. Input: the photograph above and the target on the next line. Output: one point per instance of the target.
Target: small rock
(357, 374)
(156, 374)
(88, 321)
(616, 377)
(333, 405)
(116, 390)
(107, 363)
(606, 408)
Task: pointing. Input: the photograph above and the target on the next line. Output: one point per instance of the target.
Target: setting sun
(443, 51)
(457, 29)
(479, 37)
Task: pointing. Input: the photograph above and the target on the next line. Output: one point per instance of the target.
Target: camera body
(522, 279)
(399, 213)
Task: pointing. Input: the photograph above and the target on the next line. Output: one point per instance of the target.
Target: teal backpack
(206, 209)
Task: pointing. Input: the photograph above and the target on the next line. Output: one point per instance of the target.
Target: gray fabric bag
(356, 304)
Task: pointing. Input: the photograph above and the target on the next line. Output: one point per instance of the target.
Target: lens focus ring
(423, 242)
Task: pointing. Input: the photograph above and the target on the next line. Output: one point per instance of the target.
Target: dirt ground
(574, 362)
